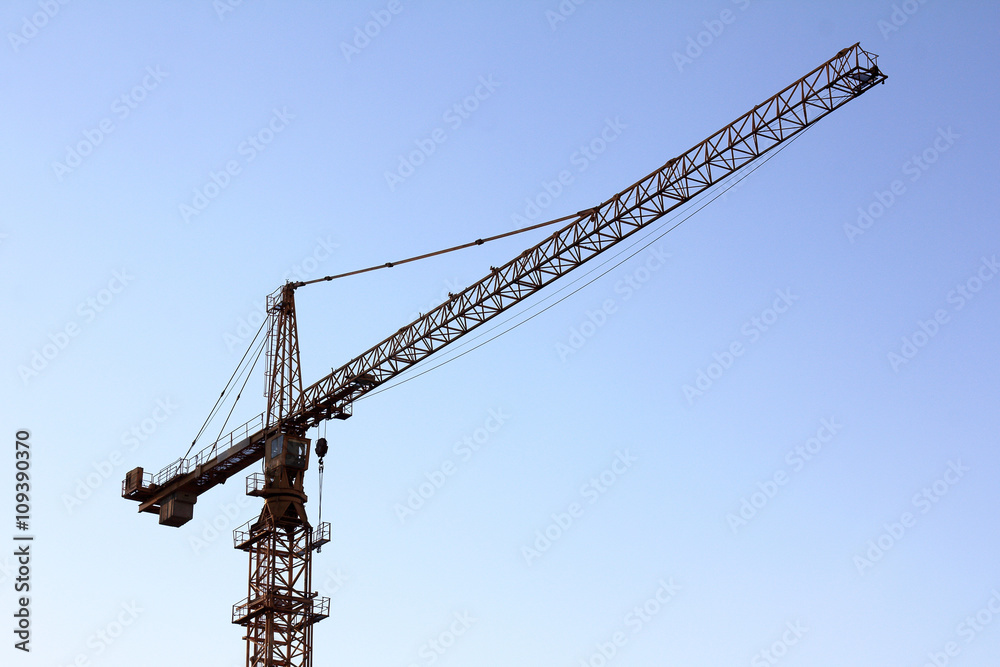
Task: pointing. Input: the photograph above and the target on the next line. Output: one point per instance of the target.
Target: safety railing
(172, 470)
(255, 483)
(183, 466)
(243, 534)
(320, 609)
(145, 481)
(320, 535)
(241, 610)
(303, 612)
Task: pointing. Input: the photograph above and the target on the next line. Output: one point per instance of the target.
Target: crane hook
(321, 450)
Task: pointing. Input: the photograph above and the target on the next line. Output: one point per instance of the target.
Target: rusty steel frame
(284, 372)
(841, 79)
(280, 609)
(831, 85)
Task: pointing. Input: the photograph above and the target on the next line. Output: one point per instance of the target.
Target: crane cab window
(287, 451)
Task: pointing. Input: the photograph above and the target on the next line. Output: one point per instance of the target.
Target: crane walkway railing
(301, 612)
(183, 466)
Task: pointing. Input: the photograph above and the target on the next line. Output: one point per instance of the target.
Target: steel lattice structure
(280, 609)
(284, 374)
(831, 85)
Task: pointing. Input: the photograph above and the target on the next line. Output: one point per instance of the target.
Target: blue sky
(828, 498)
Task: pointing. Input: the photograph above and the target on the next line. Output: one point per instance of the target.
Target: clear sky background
(133, 265)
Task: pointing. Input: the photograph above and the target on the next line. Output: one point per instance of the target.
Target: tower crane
(280, 608)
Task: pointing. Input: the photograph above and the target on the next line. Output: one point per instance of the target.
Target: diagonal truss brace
(849, 74)
(831, 85)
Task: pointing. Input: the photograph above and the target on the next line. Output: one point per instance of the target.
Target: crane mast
(280, 608)
(284, 375)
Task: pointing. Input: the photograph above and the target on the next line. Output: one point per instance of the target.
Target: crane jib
(844, 77)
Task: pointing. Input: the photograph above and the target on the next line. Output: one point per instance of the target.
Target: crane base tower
(280, 608)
